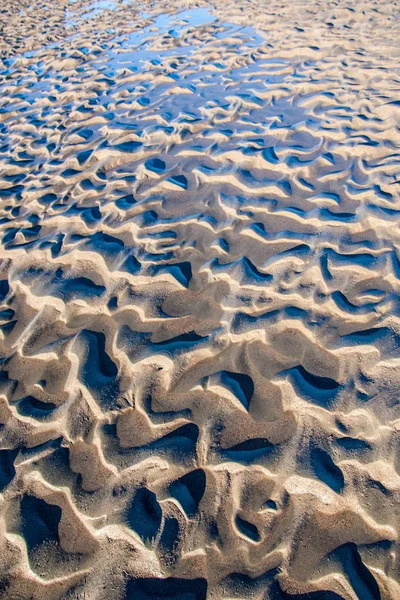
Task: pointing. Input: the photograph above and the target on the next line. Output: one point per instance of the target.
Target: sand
(199, 300)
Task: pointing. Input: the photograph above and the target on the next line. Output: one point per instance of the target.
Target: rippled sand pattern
(199, 300)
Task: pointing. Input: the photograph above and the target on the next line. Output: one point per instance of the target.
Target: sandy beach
(199, 300)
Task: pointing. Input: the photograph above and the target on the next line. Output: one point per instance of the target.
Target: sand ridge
(199, 288)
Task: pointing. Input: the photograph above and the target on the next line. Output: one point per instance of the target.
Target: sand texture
(199, 300)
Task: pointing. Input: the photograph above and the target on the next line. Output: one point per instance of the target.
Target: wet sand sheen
(199, 299)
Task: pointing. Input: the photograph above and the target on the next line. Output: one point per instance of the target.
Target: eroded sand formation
(199, 292)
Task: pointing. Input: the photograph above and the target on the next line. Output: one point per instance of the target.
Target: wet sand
(199, 300)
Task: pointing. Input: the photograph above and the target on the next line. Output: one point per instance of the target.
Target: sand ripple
(199, 300)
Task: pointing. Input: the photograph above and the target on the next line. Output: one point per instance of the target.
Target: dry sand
(199, 289)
